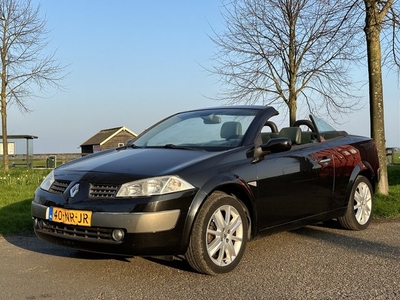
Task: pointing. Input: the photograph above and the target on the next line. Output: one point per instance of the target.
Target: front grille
(59, 187)
(79, 232)
(98, 191)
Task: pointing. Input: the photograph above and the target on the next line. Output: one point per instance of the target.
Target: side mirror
(274, 145)
(277, 145)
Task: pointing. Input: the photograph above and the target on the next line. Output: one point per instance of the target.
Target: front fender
(223, 182)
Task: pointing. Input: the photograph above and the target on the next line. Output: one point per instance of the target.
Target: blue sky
(132, 63)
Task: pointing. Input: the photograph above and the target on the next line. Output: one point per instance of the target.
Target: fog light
(38, 223)
(118, 235)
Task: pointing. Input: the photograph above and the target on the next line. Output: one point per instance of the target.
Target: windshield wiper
(124, 147)
(172, 146)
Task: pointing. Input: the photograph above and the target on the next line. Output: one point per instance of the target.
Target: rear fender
(362, 168)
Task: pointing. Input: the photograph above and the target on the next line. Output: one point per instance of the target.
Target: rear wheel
(359, 209)
(219, 235)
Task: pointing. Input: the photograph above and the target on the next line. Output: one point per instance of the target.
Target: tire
(359, 209)
(219, 235)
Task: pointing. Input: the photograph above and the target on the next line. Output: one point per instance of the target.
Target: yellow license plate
(69, 217)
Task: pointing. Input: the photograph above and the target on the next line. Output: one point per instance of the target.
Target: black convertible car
(202, 183)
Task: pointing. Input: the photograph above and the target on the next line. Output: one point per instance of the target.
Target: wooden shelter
(107, 139)
(19, 157)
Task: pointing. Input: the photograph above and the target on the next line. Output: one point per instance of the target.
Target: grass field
(16, 194)
(388, 207)
(18, 185)
(396, 158)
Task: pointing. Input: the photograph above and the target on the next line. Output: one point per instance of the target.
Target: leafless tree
(300, 51)
(291, 52)
(24, 68)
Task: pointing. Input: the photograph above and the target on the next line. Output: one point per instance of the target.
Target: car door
(295, 184)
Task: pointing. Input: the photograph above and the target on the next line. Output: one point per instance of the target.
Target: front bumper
(156, 229)
(140, 222)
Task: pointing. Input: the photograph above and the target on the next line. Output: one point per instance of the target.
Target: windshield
(208, 129)
(325, 130)
(322, 125)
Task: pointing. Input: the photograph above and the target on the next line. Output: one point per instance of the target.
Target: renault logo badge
(74, 190)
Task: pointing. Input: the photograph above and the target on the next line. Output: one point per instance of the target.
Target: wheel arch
(246, 199)
(231, 185)
(362, 168)
(365, 169)
(359, 210)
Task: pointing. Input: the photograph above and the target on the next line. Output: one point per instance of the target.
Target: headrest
(292, 133)
(229, 129)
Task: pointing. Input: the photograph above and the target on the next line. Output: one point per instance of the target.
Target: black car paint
(193, 170)
(280, 190)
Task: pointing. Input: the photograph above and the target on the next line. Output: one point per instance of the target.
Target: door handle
(325, 160)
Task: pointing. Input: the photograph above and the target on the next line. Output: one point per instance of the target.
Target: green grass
(388, 207)
(16, 194)
(396, 158)
(18, 185)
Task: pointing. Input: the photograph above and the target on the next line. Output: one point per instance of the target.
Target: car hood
(137, 162)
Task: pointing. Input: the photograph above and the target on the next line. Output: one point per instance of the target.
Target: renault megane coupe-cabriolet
(202, 183)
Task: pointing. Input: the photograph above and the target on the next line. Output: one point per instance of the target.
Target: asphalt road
(315, 262)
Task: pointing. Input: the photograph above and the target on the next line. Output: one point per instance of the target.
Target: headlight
(154, 186)
(48, 181)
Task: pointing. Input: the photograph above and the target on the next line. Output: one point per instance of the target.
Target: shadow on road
(330, 232)
(30, 242)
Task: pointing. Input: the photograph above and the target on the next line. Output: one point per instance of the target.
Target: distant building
(107, 139)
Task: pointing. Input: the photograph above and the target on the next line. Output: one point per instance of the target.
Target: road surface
(315, 262)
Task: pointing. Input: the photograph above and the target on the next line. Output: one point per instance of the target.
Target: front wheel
(219, 235)
(359, 209)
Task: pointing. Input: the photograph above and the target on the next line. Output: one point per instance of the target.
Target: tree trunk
(3, 100)
(292, 109)
(372, 33)
(4, 134)
(4, 112)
